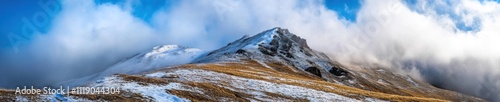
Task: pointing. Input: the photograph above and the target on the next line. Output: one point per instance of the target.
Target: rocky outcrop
(314, 71)
(338, 71)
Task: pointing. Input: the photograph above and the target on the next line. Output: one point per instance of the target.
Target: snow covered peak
(270, 37)
(158, 57)
(262, 38)
(166, 50)
(273, 45)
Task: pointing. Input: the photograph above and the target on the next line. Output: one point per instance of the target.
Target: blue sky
(443, 10)
(345, 8)
(12, 13)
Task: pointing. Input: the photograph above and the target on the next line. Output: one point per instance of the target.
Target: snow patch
(21, 99)
(157, 93)
(264, 38)
(409, 79)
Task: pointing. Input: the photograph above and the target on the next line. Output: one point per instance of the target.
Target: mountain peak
(273, 42)
(275, 45)
(271, 38)
(170, 50)
(165, 55)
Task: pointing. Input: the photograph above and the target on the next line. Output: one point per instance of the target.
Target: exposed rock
(338, 71)
(314, 71)
(240, 51)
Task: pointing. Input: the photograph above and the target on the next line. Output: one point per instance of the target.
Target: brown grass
(7, 95)
(318, 84)
(122, 97)
(192, 96)
(283, 68)
(211, 93)
(142, 80)
(249, 69)
(10, 96)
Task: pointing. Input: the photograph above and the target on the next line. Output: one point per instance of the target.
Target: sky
(452, 44)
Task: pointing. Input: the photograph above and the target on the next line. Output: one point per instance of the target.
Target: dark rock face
(266, 51)
(240, 51)
(338, 71)
(282, 44)
(314, 71)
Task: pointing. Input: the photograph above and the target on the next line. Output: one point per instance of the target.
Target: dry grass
(10, 96)
(142, 80)
(282, 68)
(192, 96)
(211, 93)
(315, 83)
(122, 97)
(7, 95)
(252, 70)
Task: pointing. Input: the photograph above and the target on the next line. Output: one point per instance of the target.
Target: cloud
(465, 61)
(450, 44)
(85, 38)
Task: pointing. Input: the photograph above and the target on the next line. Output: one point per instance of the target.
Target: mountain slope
(158, 57)
(274, 65)
(286, 52)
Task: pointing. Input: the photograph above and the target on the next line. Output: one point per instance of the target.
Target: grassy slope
(246, 69)
(253, 70)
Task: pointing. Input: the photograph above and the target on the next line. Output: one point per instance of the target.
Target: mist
(449, 44)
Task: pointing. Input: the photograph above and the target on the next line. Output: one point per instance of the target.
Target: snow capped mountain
(158, 57)
(278, 45)
(274, 45)
(274, 65)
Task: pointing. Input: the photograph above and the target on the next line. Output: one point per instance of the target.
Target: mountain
(159, 56)
(274, 65)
